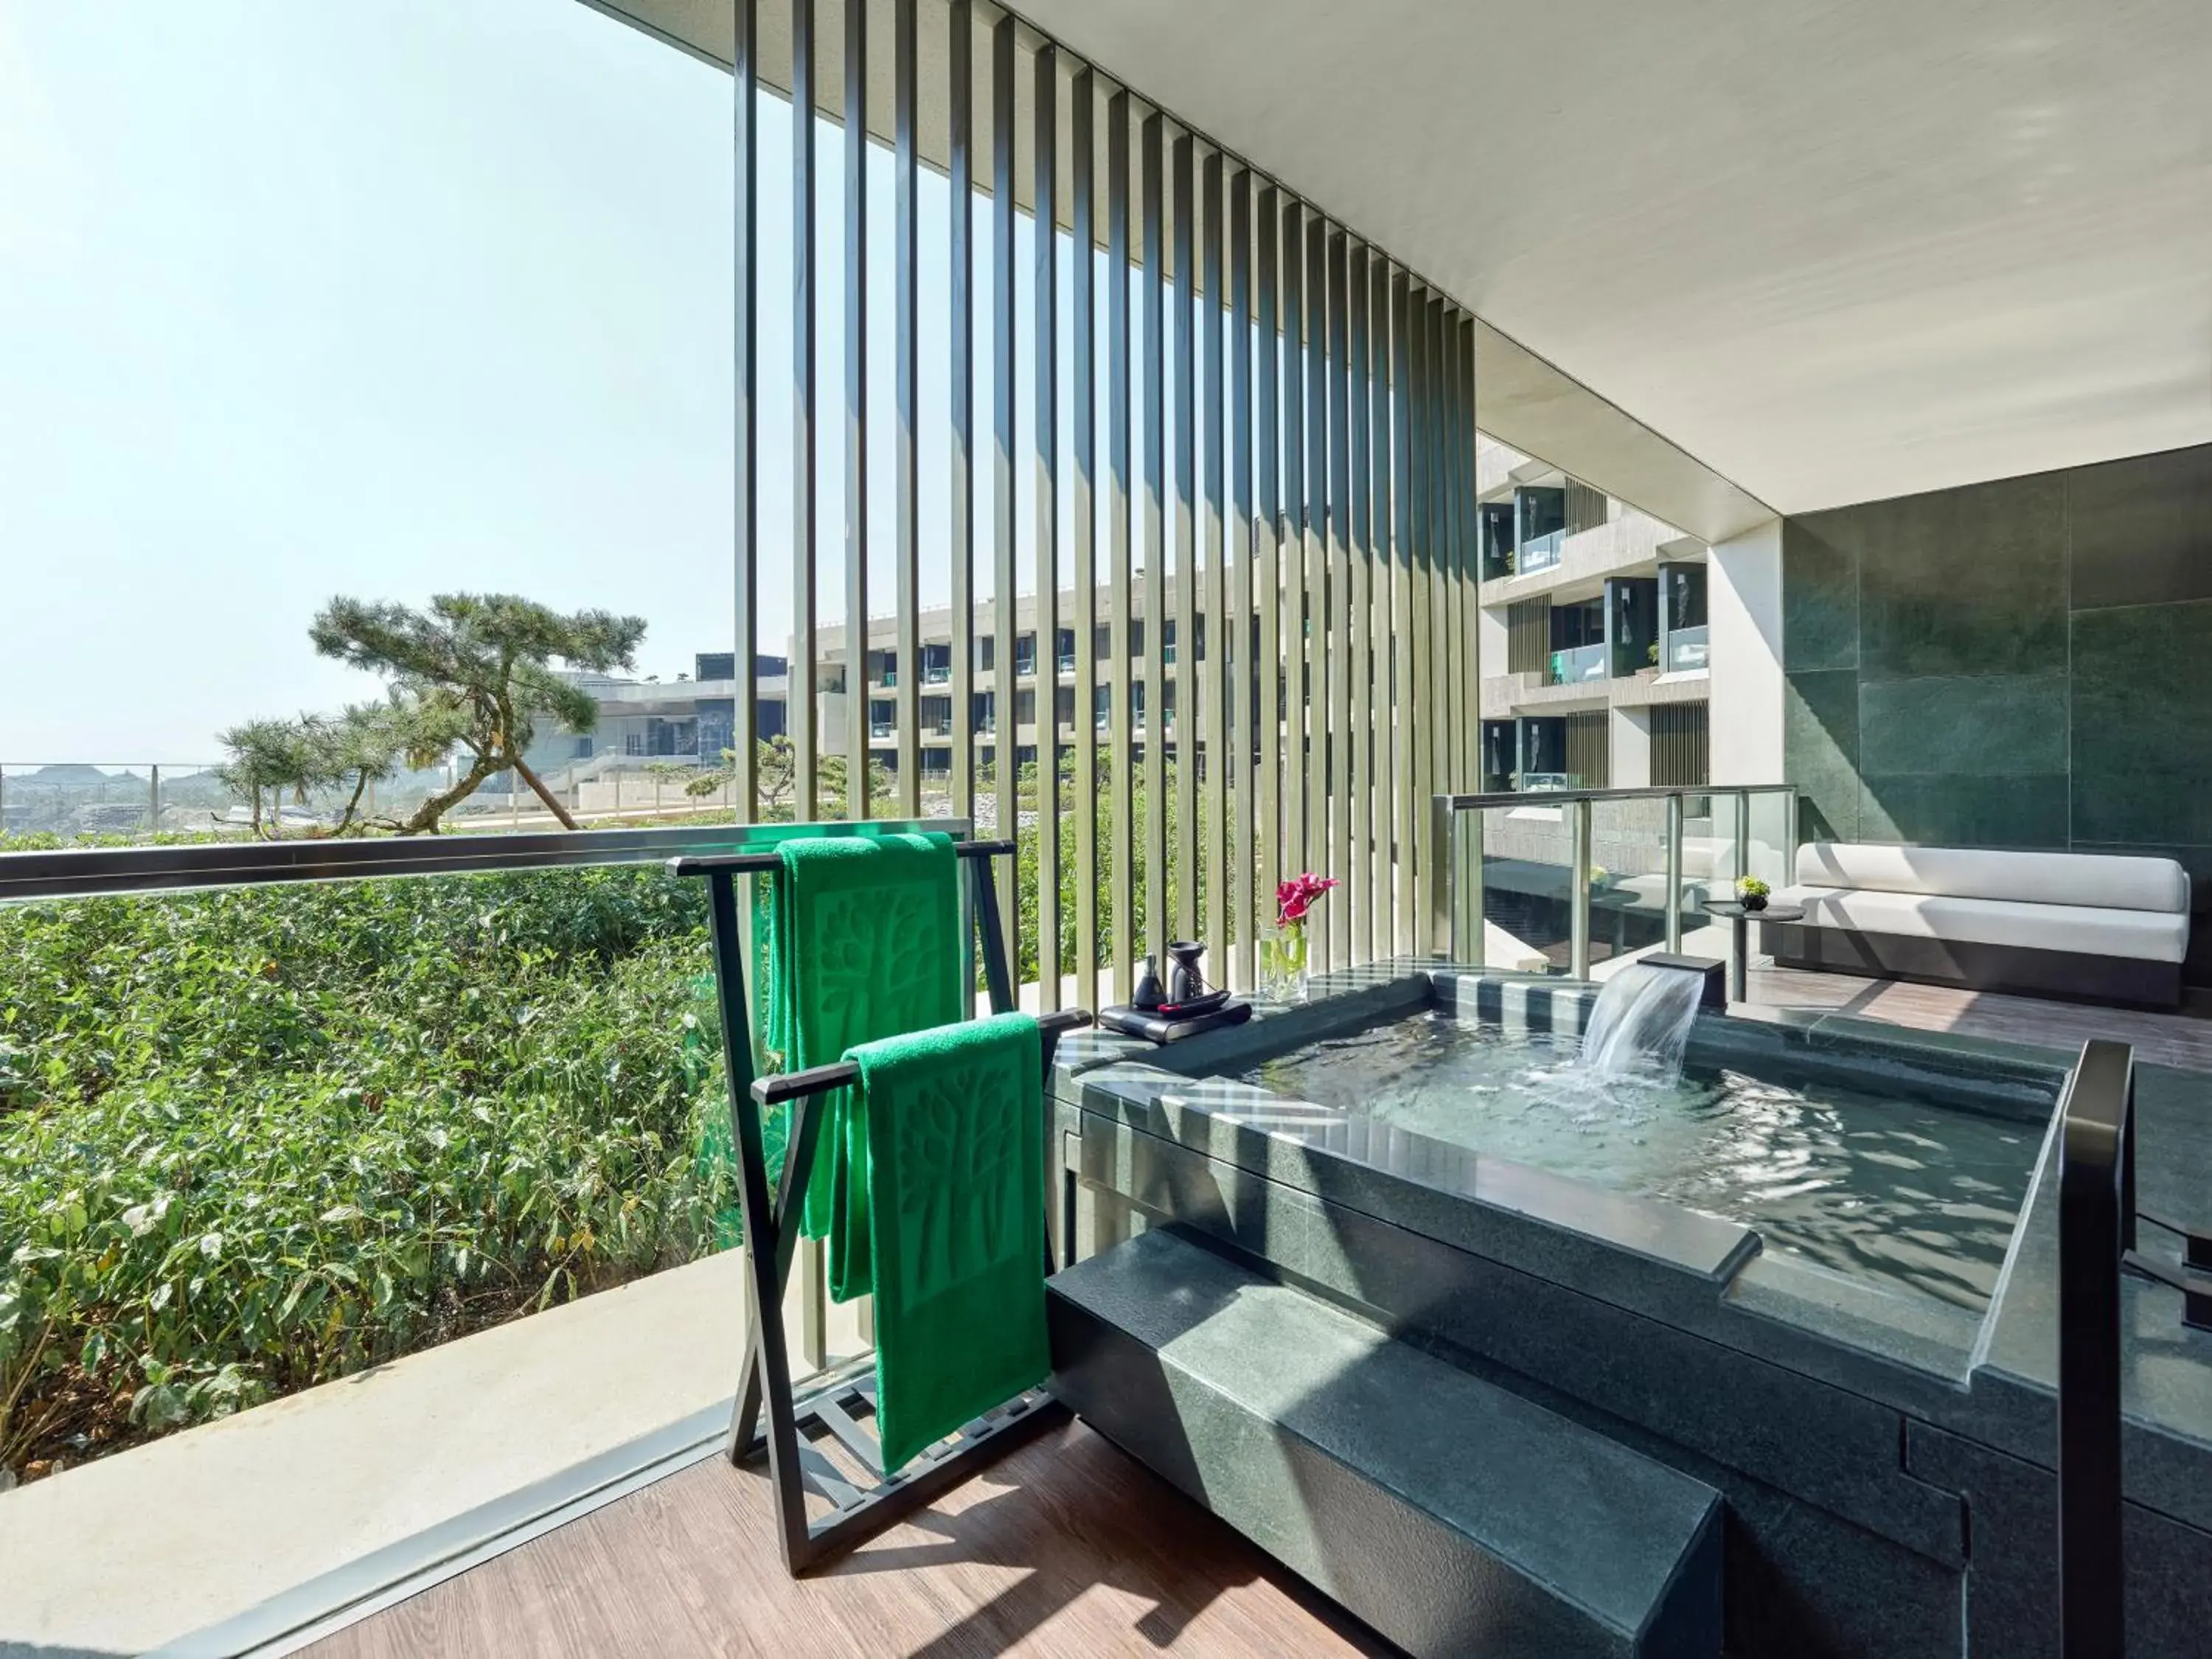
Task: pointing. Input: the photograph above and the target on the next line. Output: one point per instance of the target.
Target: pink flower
(1294, 897)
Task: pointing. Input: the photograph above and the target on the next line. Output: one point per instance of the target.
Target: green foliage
(775, 767)
(1140, 810)
(475, 671)
(486, 656)
(293, 759)
(1751, 887)
(253, 1140)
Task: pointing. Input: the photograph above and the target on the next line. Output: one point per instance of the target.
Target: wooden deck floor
(1067, 1547)
(2183, 1040)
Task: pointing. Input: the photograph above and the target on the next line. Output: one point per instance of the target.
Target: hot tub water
(1903, 1192)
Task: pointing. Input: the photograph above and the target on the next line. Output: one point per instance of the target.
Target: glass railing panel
(1770, 843)
(1709, 867)
(1527, 886)
(1627, 878)
(264, 1138)
(71, 801)
(1577, 665)
(1539, 553)
(1686, 650)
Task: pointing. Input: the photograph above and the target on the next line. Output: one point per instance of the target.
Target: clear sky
(390, 299)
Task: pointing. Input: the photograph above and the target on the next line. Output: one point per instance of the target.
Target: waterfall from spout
(1640, 1023)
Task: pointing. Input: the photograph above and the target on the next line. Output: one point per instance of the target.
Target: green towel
(953, 1185)
(863, 937)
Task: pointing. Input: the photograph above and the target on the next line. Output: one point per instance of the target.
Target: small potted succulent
(1751, 892)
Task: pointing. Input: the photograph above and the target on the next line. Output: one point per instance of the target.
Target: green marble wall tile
(1966, 812)
(2142, 723)
(1821, 751)
(1820, 598)
(2142, 529)
(1963, 725)
(1962, 581)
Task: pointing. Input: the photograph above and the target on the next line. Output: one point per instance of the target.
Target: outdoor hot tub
(1816, 1272)
(1908, 1179)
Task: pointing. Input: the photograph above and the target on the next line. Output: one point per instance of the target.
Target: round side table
(1740, 935)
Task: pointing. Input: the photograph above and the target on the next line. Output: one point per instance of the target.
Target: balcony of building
(1542, 1248)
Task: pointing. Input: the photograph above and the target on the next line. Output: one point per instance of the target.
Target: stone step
(1452, 1516)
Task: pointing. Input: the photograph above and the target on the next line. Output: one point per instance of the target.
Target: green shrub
(255, 1140)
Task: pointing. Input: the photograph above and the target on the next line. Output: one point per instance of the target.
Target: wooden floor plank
(2177, 1039)
(1067, 1547)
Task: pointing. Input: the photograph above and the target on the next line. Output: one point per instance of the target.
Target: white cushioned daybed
(2090, 927)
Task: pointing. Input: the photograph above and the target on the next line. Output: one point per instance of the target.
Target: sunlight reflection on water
(1901, 1191)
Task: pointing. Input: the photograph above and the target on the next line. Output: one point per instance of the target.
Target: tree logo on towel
(960, 1155)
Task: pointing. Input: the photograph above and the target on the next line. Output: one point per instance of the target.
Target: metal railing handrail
(1454, 872)
(2098, 1225)
(93, 872)
(2096, 1202)
(1641, 792)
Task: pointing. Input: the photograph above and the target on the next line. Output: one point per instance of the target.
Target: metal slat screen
(1681, 743)
(1194, 609)
(1527, 636)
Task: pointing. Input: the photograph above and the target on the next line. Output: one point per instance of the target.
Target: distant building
(688, 720)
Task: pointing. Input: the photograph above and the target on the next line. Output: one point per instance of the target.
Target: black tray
(1157, 1028)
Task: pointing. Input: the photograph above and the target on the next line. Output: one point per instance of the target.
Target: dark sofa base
(2076, 977)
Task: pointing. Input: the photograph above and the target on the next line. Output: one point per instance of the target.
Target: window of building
(1494, 521)
(1578, 651)
(1683, 636)
(1540, 527)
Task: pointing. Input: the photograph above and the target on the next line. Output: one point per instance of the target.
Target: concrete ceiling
(1730, 256)
(1521, 398)
(1837, 250)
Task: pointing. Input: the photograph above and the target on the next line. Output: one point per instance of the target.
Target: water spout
(1640, 1023)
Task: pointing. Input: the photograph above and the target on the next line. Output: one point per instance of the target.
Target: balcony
(1539, 554)
(1686, 650)
(1578, 665)
(598, 1423)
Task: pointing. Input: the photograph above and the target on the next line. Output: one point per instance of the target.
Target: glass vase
(1283, 976)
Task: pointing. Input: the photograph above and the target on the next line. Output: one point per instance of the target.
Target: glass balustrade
(1686, 650)
(1563, 879)
(1539, 553)
(1577, 664)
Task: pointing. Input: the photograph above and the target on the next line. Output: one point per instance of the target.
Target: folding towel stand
(835, 1401)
